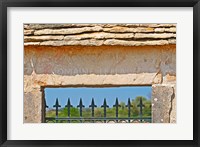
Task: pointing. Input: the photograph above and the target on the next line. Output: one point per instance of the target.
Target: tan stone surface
(94, 42)
(56, 26)
(155, 35)
(41, 38)
(74, 60)
(68, 66)
(157, 25)
(67, 31)
(120, 29)
(135, 43)
(28, 32)
(158, 78)
(91, 42)
(169, 78)
(87, 80)
(98, 35)
(163, 96)
(31, 43)
(33, 106)
(172, 41)
(161, 30)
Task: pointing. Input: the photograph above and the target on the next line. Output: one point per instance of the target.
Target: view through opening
(98, 105)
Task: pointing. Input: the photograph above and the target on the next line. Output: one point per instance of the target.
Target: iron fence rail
(105, 119)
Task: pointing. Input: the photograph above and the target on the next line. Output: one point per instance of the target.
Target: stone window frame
(79, 86)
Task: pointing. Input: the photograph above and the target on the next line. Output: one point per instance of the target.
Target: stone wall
(99, 34)
(72, 55)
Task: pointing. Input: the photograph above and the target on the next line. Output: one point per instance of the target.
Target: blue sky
(123, 93)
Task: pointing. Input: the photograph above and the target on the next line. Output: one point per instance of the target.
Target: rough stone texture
(163, 101)
(28, 32)
(57, 26)
(154, 35)
(91, 42)
(158, 78)
(158, 25)
(31, 43)
(161, 30)
(90, 80)
(32, 106)
(100, 34)
(67, 66)
(41, 38)
(173, 110)
(67, 31)
(135, 43)
(102, 60)
(172, 41)
(119, 29)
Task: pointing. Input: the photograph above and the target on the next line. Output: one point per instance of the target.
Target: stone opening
(99, 94)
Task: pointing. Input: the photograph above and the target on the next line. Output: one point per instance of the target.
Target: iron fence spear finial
(57, 106)
(92, 106)
(104, 109)
(116, 105)
(81, 107)
(68, 107)
(141, 105)
(129, 108)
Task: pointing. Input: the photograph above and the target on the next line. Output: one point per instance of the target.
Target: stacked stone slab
(99, 34)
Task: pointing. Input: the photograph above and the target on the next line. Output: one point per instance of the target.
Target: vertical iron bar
(141, 106)
(116, 105)
(129, 109)
(104, 109)
(68, 108)
(57, 106)
(92, 106)
(81, 106)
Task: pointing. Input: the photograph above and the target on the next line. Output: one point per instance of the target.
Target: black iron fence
(92, 119)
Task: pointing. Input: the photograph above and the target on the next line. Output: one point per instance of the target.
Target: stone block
(154, 35)
(99, 35)
(67, 31)
(41, 38)
(162, 103)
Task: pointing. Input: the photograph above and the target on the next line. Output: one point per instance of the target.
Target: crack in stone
(172, 98)
(159, 72)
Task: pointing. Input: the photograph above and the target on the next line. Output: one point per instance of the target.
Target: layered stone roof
(99, 34)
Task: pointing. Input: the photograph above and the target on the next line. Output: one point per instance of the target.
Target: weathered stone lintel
(35, 81)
